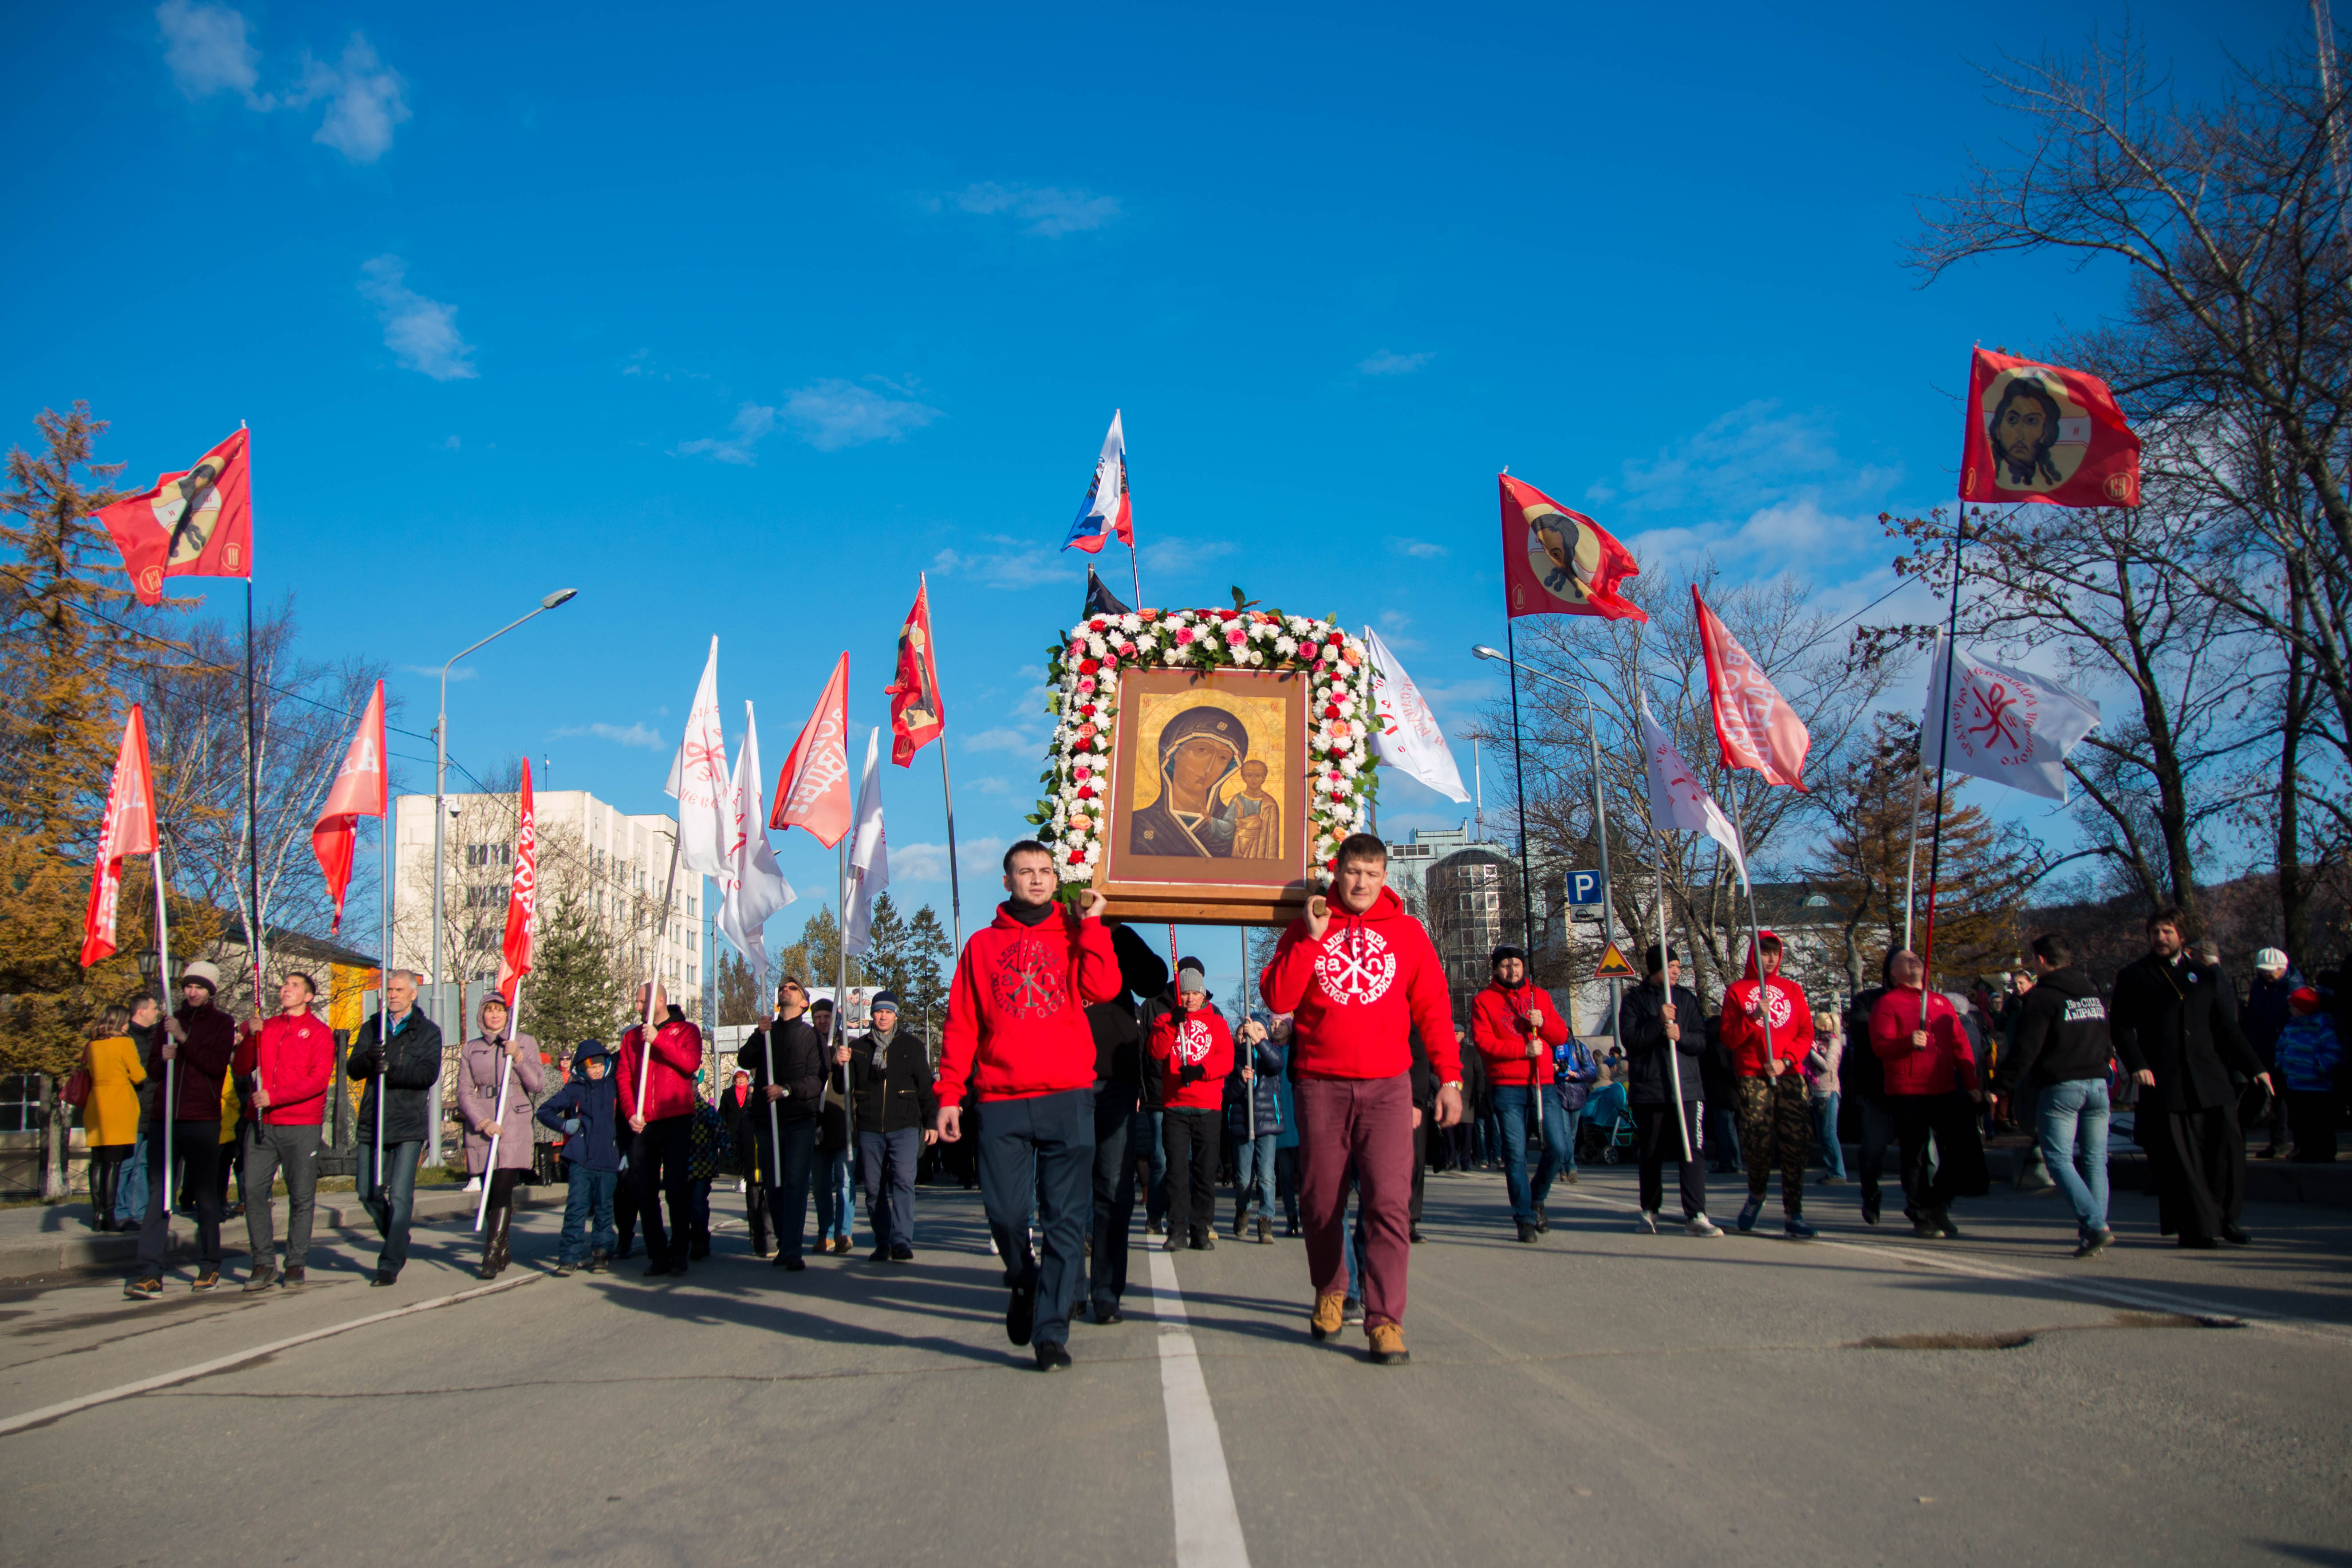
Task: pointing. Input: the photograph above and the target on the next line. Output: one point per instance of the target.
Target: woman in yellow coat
(109, 1119)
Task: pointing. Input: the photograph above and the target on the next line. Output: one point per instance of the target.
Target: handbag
(77, 1088)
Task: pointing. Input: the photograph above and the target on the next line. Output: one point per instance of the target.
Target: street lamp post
(440, 818)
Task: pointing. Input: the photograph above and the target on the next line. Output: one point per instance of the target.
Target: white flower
(1131, 625)
(1094, 853)
(1350, 767)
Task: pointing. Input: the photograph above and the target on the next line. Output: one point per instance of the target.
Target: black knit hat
(1504, 954)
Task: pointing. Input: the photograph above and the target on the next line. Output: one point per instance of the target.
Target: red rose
(1339, 754)
(1330, 711)
(1097, 623)
(1336, 638)
(1086, 791)
(1078, 857)
(1086, 710)
(1083, 774)
(1088, 667)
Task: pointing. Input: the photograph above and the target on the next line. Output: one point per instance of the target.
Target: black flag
(1099, 601)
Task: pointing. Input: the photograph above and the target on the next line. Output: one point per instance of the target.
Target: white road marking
(222, 1363)
(1208, 1526)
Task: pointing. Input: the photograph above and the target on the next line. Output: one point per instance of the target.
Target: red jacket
(1498, 1028)
(1792, 1023)
(293, 1059)
(1203, 1040)
(677, 1057)
(1016, 1022)
(1948, 1063)
(1357, 995)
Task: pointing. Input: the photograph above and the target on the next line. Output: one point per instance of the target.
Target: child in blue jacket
(586, 1110)
(2310, 1057)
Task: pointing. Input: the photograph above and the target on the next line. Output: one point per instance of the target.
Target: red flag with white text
(127, 828)
(193, 524)
(522, 896)
(916, 717)
(1753, 722)
(2045, 433)
(359, 791)
(812, 791)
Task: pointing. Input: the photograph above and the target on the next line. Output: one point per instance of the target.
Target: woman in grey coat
(483, 1063)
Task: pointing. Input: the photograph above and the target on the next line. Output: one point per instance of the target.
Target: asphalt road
(1600, 1397)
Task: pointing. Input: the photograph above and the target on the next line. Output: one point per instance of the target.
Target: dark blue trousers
(1041, 1149)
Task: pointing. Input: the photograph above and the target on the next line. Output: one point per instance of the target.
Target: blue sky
(736, 317)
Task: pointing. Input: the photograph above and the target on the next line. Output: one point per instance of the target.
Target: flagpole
(1755, 930)
(653, 985)
(1911, 870)
(1249, 1085)
(164, 979)
(1667, 999)
(1943, 743)
(1518, 773)
(383, 946)
(775, 1127)
(955, 885)
(252, 808)
(506, 1077)
(841, 1012)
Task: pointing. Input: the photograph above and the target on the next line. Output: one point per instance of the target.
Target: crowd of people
(1075, 1076)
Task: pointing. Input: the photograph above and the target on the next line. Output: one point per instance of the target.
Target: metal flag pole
(253, 934)
(383, 973)
(163, 978)
(1755, 930)
(775, 1126)
(1519, 776)
(1249, 1085)
(1942, 745)
(955, 885)
(1667, 999)
(653, 985)
(841, 1022)
(498, 1127)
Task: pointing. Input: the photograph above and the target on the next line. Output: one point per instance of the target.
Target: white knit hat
(2269, 958)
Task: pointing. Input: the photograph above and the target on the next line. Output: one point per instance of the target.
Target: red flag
(522, 898)
(127, 828)
(195, 524)
(1753, 722)
(916, 718)
(1560, 563)
(812, 791)
(2040, 431)
(359, 791)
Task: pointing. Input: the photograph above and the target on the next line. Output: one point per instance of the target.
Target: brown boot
(1388, 1345)
(1326, 1321)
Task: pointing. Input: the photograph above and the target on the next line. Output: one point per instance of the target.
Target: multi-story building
(1466, 894)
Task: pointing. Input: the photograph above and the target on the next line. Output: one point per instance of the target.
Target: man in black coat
(400, 1070)
(2174, 1023)
(894, 1109)
(787, 1069)
(1861, 1078)
(2056, 1073)
(1665, 1038)
(1720, 1085)
(1119, 1085)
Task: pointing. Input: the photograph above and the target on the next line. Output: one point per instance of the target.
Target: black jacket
(2062, 1034)
(1119, 1038)
(415, 1068)
(2178, 1020)
(898, 1094)
(1641, 1019)
(1422, 1077)
(800, 1068)
(1860, 1070)
(1718, 1076)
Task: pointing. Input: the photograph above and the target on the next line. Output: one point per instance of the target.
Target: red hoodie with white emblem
(1357, 994)
(1017, 1014)
(1201, 1040)
(1792, 1023)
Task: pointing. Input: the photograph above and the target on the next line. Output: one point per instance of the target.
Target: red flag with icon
(193, 524)
(812, 791)
(916, 717)
(359, 791)
(522, 896)
(1560, 563)
(127, 828)
(2045, 433)
(1753, 722)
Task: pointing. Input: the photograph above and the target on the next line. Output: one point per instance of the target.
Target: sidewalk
(51, 1241)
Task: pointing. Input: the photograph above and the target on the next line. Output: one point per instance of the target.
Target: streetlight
(1600, 805)
(440, 810)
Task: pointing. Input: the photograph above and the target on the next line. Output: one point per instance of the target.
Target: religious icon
(1562, 551)
(189, 507)
(1210, 787)
(2039, 436)
(1199, 750)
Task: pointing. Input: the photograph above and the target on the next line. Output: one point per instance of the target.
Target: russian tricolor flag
(1108, 505)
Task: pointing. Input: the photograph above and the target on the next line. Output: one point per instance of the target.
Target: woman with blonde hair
(1821, 1091)
(110, 1116)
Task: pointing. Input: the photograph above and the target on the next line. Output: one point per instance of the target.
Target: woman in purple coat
(483, 1063)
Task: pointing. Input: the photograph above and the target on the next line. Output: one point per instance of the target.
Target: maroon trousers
(1359, 1127)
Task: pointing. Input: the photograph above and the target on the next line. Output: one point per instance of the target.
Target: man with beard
(787, 1072)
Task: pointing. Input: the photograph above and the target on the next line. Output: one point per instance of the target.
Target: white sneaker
(738, 1183)
(1648, 1224)
(474, 1185)
(1699, 1224)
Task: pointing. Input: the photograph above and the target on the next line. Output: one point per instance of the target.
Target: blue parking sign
(1584, 887)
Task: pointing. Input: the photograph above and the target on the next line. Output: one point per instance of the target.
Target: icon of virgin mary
(1199, 750)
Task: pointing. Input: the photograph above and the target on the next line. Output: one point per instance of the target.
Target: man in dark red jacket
(1195, 1051)
(658, 1099)
(291, 1060)
(1514, 1026)
(200, 1044)
(1768, 1028)
(1018, 1036)
(1933, 1091)
(1360, 973)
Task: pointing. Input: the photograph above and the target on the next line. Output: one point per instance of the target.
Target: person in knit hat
(1194, 1052)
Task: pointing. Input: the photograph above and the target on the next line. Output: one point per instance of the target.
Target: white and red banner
(127, 828)
(1678, 800)
(697, 781)
(193, 524)
(360, 790)
(1108, 507)
(752, 887)
(812, 791)
(2011, 726)
(1406, 736)
(522, 897)
(870, 855)
(1753, 722)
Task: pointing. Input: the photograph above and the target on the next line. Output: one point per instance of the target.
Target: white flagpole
(506, 1078)
(163, 978)
(653, 985)
(383, 973)
(1666, 998)
(1755, 933)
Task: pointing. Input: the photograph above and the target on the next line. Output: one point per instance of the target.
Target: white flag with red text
(2011, 726)
(1404, 732)
(752, 887)
(1678, 800)
(870, 855)
(697, 781)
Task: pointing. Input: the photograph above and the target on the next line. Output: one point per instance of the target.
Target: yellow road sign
(1613, 966)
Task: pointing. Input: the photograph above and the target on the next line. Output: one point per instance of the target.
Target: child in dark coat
(586, 1110)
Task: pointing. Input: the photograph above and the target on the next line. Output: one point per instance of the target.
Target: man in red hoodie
(1932, 1089)
(1018, 1036)
(1767, 1046)
(1195, 1051)
(1514, 1027)
(660, 1115)
(1359, 974)
(291, 1060)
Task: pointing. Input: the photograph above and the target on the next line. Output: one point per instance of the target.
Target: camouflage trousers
(1776, 1126)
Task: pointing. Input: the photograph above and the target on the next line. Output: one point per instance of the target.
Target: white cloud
(1387, 363)
(929, 862)
(363, 102)
(1045, 210)
(1001, 739)
(1184, 554)
(1018, 565)
(1757, 452)
(206, 48)
(457, 673)
(422, 333)
(629, 735)
(1419, 549)
(752, 421)
(828, 414)
(453, 443)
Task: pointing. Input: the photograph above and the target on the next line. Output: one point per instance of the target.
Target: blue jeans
(1825, 1133)
(391, 1208)
(837, 1195)
(1514, 1103)
(1572, 1121)
(131, 1188)
(587, 1213)
(1116, 1120)
(889, 1158)
(2070, 1124)
(1253, 1176)
(1040, 1151)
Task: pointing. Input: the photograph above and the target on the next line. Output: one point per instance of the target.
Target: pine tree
(815, 957)
(740, 1001)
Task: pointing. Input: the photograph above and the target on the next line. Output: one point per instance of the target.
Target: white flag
(870, 855)
(698, 781)
(1678, 800)
(1406, 735)
(2011, 726)
(752, 887)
